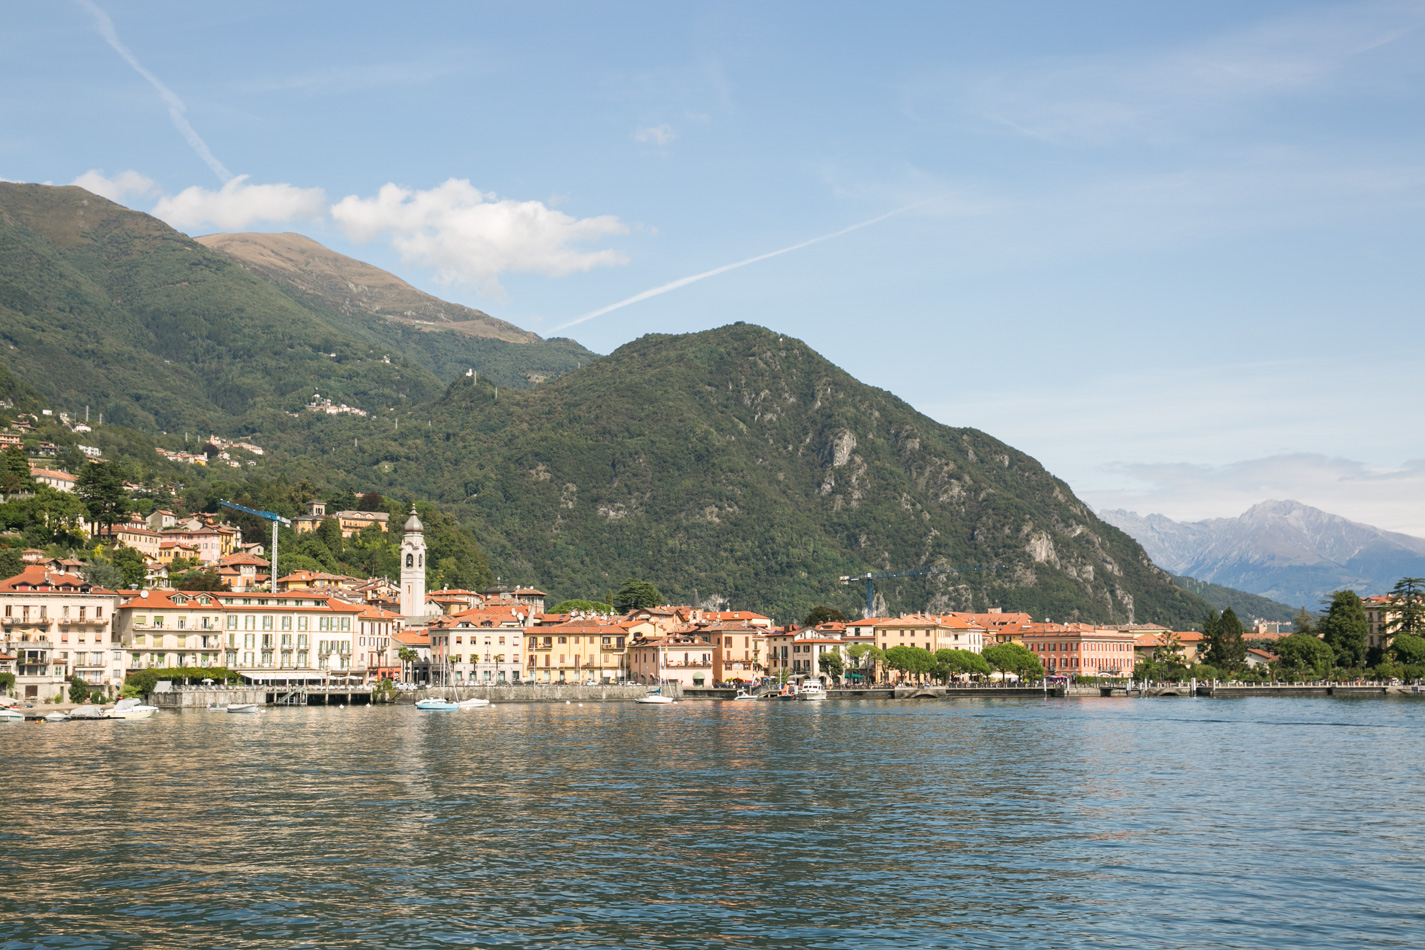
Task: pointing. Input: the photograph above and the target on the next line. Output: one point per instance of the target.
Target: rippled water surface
(1004, 823)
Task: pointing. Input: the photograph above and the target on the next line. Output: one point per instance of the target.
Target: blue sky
(1171, 250)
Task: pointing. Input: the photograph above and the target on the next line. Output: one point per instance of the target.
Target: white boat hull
(11, 715)
(473, 703)
(243, 708)
(655, 700)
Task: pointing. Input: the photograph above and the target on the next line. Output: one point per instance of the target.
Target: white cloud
(238, 206)
(1384, 496)
(471, 238)
(121, 186)
(659, 135)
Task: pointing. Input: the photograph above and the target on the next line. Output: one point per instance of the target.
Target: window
(410, 560)
(232, 621)
(302, 625)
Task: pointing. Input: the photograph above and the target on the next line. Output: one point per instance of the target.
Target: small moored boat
(811, 691)
(57, 717)
(742, 695)
(244, 708)
(437, 705)
(11, 715)
(86, 712)
(130, 709)
(474, 702)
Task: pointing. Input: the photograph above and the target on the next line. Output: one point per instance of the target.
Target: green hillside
(110, 308)
(739, 464)
(1247, 606)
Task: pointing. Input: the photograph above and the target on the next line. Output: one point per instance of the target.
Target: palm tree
(405, 655)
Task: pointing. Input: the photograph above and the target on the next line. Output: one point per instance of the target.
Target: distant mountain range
(1284, 550)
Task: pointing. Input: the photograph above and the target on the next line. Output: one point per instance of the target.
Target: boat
(437, 705)
(11, 715)
(130, 709)
(655, 697)
(742, 695)
(811, 691)
(787, 692)
(86, 712)
(244, 708)
(474, 702)
(57, 717)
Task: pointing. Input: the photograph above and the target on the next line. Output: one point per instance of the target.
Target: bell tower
(413, 567)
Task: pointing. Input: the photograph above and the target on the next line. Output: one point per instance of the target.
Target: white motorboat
(474, 702)
(11, 715)
(86, 712)
(130, 709)
(742, 696)
(811, 691)
(57, 717)
(436, 705)
(655, 699)
(244, 708)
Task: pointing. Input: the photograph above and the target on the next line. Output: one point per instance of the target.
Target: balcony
(23, 621)
(82, 621)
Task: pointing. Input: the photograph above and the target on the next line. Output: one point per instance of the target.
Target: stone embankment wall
(536, 693)
(200, 698)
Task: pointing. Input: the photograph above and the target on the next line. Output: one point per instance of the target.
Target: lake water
(968, 823)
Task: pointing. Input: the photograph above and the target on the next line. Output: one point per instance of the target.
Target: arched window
(410, 560)
(422, 560)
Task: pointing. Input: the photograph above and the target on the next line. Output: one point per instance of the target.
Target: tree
(407, 656)
(1226, 649)
(371, 502)
(952, 663)
(832, 665)
(1345, 629)
(913, 661)
(635, 595)
(1304, 653)
(78, 690)
(1407, 607)
(822, 614)
(1014, 658)
(582, 606)
(100, 487)
(1408, 648)
(11, 563)
(1169, 657)
(102, 573)
(15, 472)
(1301, 623)
(132, 566)
(198, 580)
(866, 656)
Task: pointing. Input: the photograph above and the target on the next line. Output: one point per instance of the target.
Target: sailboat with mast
(655, 697)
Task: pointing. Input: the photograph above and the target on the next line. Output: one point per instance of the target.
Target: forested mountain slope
(110, 308)
(738, 463)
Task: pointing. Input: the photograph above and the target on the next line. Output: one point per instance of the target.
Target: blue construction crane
(871, 577)
(276, 520)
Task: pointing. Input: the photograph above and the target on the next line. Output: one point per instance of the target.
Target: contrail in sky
(175, 104)
(685, 281)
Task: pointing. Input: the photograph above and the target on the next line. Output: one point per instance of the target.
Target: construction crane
(871, 577)
(276, 520)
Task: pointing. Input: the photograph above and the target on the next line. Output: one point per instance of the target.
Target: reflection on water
(1114, 823)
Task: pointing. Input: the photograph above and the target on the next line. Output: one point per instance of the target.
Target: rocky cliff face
(1280, 549)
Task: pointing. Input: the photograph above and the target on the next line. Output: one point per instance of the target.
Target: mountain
(350, 286)
(739, 466)
(1284, 550)
(109, 308)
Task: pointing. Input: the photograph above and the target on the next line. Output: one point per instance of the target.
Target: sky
(1173, 251)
